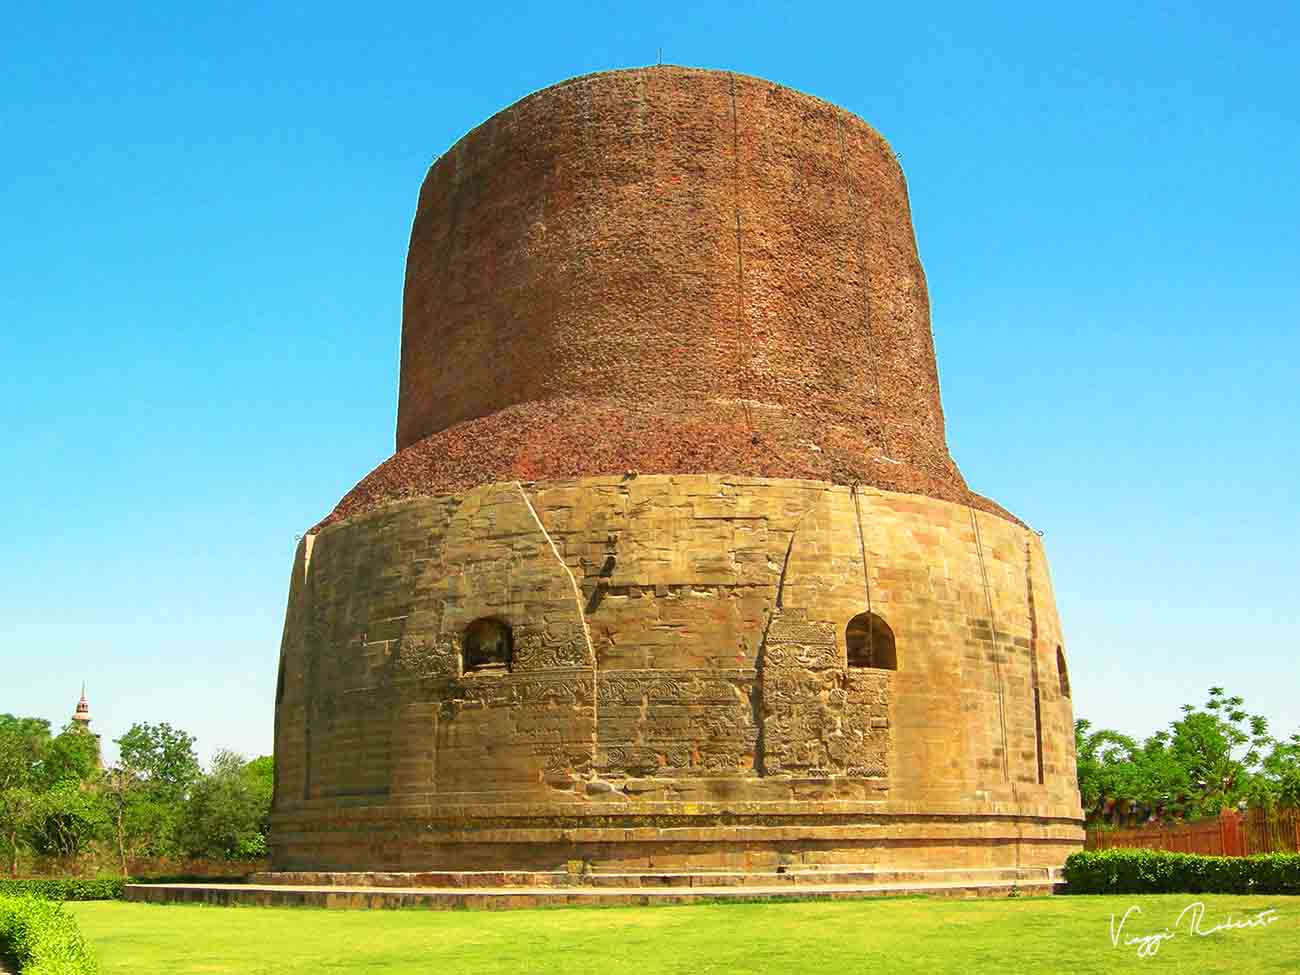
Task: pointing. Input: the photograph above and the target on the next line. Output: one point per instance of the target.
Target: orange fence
(1273, 831)
(1232, 834)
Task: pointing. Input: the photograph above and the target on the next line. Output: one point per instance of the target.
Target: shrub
(105, 889)
(42, 938)
(1160, 872)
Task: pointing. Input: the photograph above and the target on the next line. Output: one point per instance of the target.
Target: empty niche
(870, 643)
(487, 646)
(1062, 673)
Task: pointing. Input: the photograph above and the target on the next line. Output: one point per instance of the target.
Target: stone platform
(505, 890)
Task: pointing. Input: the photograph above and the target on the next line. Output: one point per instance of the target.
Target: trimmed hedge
(42, 938)
(72, 889)
(1159, 872)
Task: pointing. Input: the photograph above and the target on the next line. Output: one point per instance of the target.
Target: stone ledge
(514, 898)
(736, 811)
(802, 876)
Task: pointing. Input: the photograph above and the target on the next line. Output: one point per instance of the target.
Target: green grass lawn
(1050, 934)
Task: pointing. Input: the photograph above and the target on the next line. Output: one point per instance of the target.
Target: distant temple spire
(82, 714)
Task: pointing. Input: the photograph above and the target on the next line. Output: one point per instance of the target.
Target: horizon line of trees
(1216, 756)
(156, 800)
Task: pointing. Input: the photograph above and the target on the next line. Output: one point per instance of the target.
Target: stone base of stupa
(673, 673)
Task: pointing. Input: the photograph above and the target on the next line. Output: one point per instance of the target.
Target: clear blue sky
(206, 213)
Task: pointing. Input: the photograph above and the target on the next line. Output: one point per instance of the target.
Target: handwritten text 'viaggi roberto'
(1190, 922)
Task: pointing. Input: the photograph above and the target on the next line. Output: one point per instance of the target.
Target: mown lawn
(1050, 934)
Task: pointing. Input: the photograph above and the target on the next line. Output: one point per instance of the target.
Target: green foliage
(155, 801)
(144, 794)
(43, 938)
(65, 889)
(1159, 872)
(1278, 781)
(1106, 763)
(162, 756)
(22, 743)
(227, 815)
(72, 817)
(72, 757)
(262, 771)
(1211, 758)
(20, 810)
(31, 756)
(42, 803)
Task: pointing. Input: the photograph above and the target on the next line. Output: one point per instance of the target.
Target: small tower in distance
(82, 714)
(81, 719)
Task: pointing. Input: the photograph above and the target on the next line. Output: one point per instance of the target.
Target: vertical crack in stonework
(573, 582)
(579, 607)
(308, 543)
(760, 659)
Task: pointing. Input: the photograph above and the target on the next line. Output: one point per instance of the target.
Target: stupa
(671, 569)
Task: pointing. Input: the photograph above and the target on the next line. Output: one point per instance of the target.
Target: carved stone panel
(676, 723)
(819, 719)
(517, 732)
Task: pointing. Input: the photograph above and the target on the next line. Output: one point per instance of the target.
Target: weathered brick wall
(666, 270)
(680, 657)
(667, 232)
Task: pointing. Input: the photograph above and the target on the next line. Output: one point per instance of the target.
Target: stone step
(838, 874)
(499, 898)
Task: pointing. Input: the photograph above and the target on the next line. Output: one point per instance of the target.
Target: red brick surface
(673, 271)
(574, 438)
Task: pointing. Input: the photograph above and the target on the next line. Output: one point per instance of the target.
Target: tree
(70, 817)
(261, 776)
(145, 792)
(1278, 781)
(72, 756)
(1211, 758)
(163, 756)
(1105, 761)
(22, 743)
(1215, 753)
(121, 784)
(226, 815)
(20, 809)
(40, 779)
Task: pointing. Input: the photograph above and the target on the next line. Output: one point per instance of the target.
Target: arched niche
(869, 641)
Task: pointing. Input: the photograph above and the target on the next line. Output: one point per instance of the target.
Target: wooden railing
(1232, 834)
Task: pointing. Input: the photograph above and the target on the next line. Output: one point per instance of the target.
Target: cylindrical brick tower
(672, 567)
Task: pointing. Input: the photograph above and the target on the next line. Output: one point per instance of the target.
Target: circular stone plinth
(680, 684)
